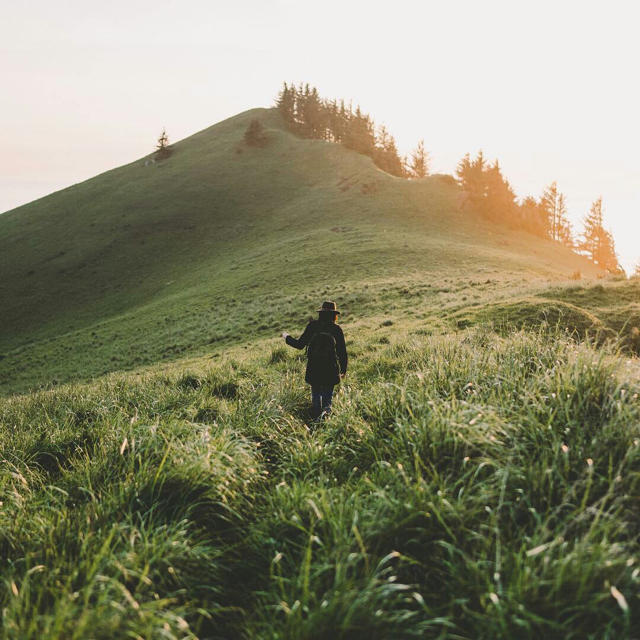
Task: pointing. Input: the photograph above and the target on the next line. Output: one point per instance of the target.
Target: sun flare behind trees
(485, 190)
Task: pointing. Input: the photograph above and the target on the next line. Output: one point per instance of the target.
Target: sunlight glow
(547, 88)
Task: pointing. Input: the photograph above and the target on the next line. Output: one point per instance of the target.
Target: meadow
(477, 479)
(211, 247)
(468, 485)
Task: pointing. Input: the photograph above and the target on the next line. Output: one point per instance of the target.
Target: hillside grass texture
(468, 485)
(213, 246)
(479, 477)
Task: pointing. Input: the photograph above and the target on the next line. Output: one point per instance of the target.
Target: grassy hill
(479, 475)
(222, 242)
(468, 485)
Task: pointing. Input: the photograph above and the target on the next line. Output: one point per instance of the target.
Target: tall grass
(466, 486)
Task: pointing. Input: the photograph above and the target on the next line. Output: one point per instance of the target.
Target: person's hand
(285, 335)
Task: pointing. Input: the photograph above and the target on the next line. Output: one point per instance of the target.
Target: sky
(548, 88)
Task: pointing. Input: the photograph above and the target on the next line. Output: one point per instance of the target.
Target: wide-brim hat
(327, 305)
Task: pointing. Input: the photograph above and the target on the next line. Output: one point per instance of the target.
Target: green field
(222, 243)
(478, 478)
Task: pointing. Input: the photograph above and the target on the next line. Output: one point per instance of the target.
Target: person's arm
(341, 350)
(302, 341)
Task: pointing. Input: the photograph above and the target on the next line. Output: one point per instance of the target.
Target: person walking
(326, 356)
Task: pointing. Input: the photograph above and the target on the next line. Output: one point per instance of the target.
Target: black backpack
(322, 354)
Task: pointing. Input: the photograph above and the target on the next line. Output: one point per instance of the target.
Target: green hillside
(221, 243)
(477, 479)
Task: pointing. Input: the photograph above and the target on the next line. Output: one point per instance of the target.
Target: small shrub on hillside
(255, 135)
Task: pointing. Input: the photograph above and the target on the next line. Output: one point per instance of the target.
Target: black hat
(327, 305)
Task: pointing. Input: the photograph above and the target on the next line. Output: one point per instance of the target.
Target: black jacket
(318, 378)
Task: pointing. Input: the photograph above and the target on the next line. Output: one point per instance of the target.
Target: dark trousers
(321, 400)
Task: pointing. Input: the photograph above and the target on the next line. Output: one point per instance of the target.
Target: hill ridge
(224, 221)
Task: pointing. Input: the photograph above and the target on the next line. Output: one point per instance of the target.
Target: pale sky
(549, 88)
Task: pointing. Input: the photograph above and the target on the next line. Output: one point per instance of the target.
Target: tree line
(310, 116)
(484, 187)
(488, 192)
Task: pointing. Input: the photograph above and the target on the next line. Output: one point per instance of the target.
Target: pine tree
(382, 137)
(463, 172)
(592, 236)
(360, 134)
(477, 180)
(533, 217)
(419, 164)
(486, 190)
(554, 207)
(299, 109)
(286, 103)
(607, 257)
(564, 233)
(314, 114)
(549, 204)
(393, 161)
(386, 153)
(342, 122)
(472, 180)
(333, 121)
(163, 150)
(499, 200)
(597, 243)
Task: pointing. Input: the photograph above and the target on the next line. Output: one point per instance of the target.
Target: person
(326, 356)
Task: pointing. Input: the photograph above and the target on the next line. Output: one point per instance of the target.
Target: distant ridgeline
(485, 190)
